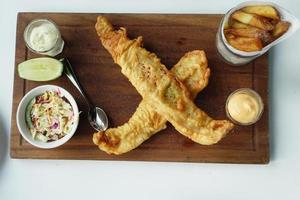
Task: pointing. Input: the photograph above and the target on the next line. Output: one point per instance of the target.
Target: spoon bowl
(98, 119)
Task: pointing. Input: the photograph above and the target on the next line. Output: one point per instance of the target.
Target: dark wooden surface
(169, 36)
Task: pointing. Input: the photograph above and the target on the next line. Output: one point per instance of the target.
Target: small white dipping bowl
(21, 120)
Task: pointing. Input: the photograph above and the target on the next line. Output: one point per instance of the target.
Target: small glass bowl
(253, 94)
(57, 46)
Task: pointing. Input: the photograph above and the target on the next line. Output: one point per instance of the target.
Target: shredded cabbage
(51, 117)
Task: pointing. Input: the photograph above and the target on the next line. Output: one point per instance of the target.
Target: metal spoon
(96, 116)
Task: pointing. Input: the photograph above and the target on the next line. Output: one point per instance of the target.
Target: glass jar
(45, 32)
(252, 101)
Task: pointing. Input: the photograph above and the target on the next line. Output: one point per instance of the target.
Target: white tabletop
(49, 179)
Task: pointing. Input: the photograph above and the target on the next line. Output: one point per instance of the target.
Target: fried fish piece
(192, 71)
(166, 94)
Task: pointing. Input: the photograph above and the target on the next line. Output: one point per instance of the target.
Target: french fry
(280, 29)
(251, 32)
(244, 43)
(237, 25)
(252, 20)
(263, 10)
(226, 25)
(245, 32)
(253, 27)
(274, 21)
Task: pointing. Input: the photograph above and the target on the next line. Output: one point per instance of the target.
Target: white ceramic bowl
(21, 121)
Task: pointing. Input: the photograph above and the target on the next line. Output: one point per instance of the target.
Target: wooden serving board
(169, 36)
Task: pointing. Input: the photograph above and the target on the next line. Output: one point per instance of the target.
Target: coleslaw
(49, 116)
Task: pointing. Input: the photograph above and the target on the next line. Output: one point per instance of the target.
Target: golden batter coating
(166, 94)
(192, 70)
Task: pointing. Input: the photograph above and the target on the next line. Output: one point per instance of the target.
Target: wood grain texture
(169, 36)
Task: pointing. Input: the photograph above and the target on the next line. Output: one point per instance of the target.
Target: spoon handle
(68, 70)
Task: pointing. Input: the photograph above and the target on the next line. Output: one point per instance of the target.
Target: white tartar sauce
(43, 37)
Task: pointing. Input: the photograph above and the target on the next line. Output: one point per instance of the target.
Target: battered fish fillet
(159, 87)
(191, 70)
